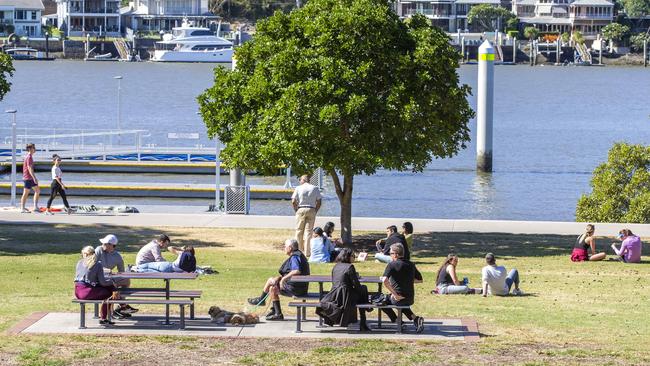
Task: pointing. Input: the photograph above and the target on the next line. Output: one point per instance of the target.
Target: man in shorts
(296, 264)
(29, 180)
(111, 259)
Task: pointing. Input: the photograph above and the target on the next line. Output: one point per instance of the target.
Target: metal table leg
(167, 305)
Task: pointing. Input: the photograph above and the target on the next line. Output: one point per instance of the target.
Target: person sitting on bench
(495, 280)
(399, 278)
(110, 259)
(185, 262)
(90, 282)
(339, 305)
(296, 264)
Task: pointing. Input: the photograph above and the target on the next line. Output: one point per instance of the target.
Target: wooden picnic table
(165, 276)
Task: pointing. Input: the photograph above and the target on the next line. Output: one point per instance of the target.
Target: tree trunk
(344, 194)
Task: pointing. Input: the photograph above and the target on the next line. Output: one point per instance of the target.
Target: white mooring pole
(484, 106)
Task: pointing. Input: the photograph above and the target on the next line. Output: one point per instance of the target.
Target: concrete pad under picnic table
(149, 324)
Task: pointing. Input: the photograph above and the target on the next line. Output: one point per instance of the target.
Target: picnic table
(167, 277)
(322, 279)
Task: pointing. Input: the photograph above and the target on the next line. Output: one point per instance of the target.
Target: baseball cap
(109, 239)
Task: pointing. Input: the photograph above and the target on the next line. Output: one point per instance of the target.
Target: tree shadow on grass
(28, 239)
(473, 244)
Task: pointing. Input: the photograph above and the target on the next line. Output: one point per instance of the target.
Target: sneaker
(257, 301)
(127, 309)
(117, 314)
(517, 292)
(49, 213)
(275, 317)
(419, 324)
(364, 328)
(36, 210)
(434, 291)
(24, 210)
(106, 322)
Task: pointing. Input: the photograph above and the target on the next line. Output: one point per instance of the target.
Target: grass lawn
(573, 313)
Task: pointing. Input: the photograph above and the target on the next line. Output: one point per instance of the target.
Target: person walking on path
(495, 280)
(630, 251)
(306, 201)
(29, 180)
(584, 243)
(57, 186)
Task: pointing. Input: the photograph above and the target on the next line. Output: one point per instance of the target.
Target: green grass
(574, 313)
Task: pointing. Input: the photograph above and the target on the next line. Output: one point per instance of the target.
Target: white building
(95, 17)
(449, 15)
(586, 16)
(157, 15)
(23, 15)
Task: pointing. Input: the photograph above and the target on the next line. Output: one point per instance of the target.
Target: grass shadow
(24, 239)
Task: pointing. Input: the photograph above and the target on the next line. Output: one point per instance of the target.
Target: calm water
(552, 126)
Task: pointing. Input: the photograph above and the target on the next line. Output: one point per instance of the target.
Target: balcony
(79, 11)
(591, 16)
(428, 12)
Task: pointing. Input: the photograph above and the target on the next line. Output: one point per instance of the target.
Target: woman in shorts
(585, 247)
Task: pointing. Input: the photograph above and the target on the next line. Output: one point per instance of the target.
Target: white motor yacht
(192, 44)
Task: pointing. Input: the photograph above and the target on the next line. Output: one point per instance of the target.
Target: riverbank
(540, 328)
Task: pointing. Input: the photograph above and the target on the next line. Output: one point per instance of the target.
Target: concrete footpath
(216, 220)
(149, 324)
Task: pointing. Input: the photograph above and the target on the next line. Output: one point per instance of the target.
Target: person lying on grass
(296, 264)
(185, 262)
(495, 280)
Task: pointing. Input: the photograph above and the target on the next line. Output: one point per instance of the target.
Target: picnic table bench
(166, 302)
(302, 306)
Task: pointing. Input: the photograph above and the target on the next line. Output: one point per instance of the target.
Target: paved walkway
(8, 216)
(68, 323)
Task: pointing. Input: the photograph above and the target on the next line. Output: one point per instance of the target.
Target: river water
(552, 126)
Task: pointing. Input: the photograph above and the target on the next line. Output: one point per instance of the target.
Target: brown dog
(221, 316)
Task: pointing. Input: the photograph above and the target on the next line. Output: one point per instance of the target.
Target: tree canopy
(636, 8)
(615, 31)
(6, 71)
(488, 18)
(620, 187)
(344, 85)
(531, 33)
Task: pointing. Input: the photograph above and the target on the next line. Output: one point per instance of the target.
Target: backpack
(187, 262)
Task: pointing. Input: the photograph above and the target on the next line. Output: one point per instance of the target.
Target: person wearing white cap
(111, 259)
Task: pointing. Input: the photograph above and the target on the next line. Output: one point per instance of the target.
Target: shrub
(620, 187)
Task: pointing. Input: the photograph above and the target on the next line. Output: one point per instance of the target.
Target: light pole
(119, 109)
(13, 156)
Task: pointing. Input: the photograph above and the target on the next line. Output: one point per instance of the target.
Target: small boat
(25, 53)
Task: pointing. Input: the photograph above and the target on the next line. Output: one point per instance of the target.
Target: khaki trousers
(305, 219)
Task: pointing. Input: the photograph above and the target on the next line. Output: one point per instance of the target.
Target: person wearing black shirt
(399, 278)
(296, 264)
(383, 245)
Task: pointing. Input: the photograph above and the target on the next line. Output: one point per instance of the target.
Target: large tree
(6, 71)
(488, 18)
(344, 85)
(620, 187)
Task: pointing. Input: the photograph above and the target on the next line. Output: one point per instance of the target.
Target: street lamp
(13, 156)
(119, 111)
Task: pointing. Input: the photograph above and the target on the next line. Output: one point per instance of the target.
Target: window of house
(20, 14)
(33, 15)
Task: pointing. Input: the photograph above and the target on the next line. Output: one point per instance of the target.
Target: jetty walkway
(217, 220)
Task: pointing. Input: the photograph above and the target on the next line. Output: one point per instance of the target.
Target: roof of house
(526, 2)
(592, 2)
(494, 2)
(23, 4)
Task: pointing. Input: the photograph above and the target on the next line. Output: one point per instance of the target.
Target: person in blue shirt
(296, 264)
(321, 247)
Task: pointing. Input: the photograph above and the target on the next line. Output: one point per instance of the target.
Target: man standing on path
(110, 259)
(306, 200)
(29, 180)
(152, 252)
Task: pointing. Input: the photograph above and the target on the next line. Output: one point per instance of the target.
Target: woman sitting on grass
(90, 282)
(185, 262)
(448, 283)
(322, 248)
(630, 251)
(586, 242)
